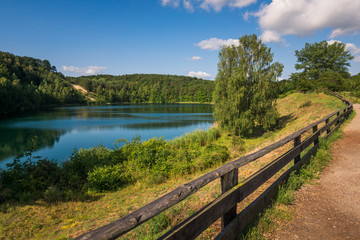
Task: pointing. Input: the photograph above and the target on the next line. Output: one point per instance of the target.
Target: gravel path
(330, 209)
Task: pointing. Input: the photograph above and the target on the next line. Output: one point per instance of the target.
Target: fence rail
(233, 192)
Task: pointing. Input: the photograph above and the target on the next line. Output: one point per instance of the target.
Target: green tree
(245, 89)
(317, 58)
(331, 80)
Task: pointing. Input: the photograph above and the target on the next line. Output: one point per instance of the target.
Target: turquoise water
(59, 131)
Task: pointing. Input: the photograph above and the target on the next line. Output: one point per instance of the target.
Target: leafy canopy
(245, 89)
(317, 58)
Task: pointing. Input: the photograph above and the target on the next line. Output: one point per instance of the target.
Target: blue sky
(179, 37)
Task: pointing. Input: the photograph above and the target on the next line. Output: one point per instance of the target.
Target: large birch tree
(245, 89)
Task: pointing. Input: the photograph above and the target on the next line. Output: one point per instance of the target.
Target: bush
(106, 178)
(85, 160)
(28, 180)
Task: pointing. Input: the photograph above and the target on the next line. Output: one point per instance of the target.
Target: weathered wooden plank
(330, 124)
(327, 127)
(297, 142)
(315, 128)
(252, 211)
(197, 223)
(229, 181)
(244, 218)
(132, 220)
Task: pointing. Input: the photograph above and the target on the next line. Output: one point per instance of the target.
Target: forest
(28, 84)
(154, 88)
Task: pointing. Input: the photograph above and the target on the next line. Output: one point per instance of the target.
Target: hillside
(65, 219)
(28, 83)
(155, 88)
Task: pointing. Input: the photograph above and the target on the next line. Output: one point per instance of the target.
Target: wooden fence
(233, 192)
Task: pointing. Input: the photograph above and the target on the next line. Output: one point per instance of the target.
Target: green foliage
(330, 80)
(212, 155)
(154, 88)
(320, 57)
(28, 83)
(106, 178)
(324, 66)
(101, 169)
(245, 88)
(28, 180)
(84, 161)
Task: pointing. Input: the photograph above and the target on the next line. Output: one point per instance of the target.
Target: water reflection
(61, 130)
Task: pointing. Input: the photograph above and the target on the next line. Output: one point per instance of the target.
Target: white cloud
(305, 17)
(89, 70)
(270, 36)
(208, 5)
(216, 43)
(188, 6)
(196, 58)
(352, 48)
(172, 3)
(199, 74)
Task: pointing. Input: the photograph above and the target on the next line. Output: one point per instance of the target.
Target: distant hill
(156, 88)
(28, 83)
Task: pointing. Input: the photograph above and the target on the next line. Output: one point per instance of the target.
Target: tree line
(28, 83)
(138, 88)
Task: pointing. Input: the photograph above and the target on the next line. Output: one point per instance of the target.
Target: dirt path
(82, 90)
(330, 209)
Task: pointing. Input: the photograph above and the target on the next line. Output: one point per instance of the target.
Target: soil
(82, 90)
(330, 208)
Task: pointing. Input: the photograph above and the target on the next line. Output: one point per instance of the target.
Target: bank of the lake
(189, 158)
(60, 130)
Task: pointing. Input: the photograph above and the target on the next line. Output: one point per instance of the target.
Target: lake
(59, 131)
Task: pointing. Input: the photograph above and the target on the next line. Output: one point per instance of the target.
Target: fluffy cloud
(304, 17)
(207, 5)
(188, 6)
(216, 43)
(89, 70)
(196, 58)
(173, 3)
(352, 48)
(199, 74)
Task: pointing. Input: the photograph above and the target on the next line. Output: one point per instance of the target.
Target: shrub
(106, 178)
(28, 180)
(83, 161)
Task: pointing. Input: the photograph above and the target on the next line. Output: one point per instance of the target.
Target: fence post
(228, 181)
(315, 128)
(338, 121)
(297, 142)
(328, 130)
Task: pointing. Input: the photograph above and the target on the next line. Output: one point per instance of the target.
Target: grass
(279, 211)
(63, 220)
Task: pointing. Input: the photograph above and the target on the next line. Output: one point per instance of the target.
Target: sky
(181, 37)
